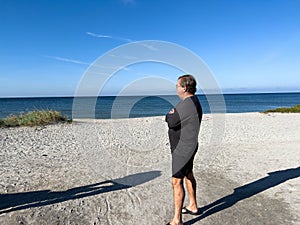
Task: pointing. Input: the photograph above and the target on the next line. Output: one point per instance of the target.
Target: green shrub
(34, 118)
(294, 109)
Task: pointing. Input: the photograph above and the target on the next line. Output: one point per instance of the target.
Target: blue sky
(47, 46)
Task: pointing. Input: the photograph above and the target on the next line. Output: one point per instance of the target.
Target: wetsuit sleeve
(173, 119)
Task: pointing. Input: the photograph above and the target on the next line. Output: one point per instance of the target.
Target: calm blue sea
(149, 106)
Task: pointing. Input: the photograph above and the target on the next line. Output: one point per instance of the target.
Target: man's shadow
(17, 201)
(246, 191)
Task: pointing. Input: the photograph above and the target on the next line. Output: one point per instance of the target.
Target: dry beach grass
(118, 171)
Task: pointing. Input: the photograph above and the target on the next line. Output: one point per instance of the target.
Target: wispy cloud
(67, 60)
(103, 67)
(123, 57)
(98, 35)
(150, 47)
(109, 36)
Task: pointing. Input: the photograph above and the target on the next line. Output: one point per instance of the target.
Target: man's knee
(177, 182)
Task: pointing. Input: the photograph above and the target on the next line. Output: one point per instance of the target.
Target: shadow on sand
(246, 191)
(17, 201)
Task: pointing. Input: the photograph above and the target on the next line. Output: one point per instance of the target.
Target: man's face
(180, 90)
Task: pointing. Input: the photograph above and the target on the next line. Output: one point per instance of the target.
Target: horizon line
(149, 95)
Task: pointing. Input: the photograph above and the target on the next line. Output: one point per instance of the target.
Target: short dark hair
(189, 82)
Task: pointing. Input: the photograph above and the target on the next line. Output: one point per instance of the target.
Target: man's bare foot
(192, 211)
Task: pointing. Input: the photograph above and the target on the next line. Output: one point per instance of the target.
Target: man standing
(184, 124)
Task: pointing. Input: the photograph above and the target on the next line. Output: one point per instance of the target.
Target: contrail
(120, 39)
(109, 36)
(67, 60)
(85, 63)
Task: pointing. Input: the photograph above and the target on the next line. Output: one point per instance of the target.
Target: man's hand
(172, 111)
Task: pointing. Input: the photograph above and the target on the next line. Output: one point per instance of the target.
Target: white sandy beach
(118, 172)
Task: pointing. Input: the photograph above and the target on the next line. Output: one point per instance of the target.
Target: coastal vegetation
(34, 118)
(294, 109)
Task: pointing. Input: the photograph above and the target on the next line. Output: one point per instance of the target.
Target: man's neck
(186, 95)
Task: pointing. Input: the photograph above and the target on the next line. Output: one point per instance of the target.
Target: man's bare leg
(191, 186)
(178, 192)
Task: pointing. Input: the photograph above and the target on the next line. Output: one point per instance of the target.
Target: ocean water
(140, 106)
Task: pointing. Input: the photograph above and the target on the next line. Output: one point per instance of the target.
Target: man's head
(186, 85)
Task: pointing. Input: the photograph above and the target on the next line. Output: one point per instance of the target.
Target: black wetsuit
(184, 126)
